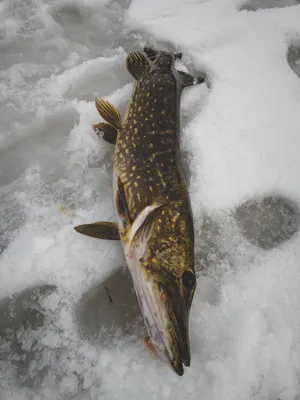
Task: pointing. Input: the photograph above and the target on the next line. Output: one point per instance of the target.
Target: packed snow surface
(69, 322)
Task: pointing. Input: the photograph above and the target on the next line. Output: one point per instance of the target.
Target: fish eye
(189, 280)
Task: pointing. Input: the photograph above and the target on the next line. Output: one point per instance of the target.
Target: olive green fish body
(147, 157)
(152, 202)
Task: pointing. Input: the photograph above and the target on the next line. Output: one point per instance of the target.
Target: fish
(155, 220)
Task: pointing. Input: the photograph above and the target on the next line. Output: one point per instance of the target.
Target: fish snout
(178, 351)
(181, 331)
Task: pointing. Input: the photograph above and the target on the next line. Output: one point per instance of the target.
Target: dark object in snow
(109, 296)
(268, 221)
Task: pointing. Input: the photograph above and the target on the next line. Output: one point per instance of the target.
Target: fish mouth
(166, 320)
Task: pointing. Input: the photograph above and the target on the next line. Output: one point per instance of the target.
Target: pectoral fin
(106, 131)
(121, 202)
(137, 64)
(109, 113)
(189, 80)
(100, 230)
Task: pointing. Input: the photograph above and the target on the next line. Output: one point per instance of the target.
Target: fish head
(165, 284)
(163, 61)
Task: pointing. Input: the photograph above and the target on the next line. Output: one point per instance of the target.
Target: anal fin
(100, 230)
(106, 131)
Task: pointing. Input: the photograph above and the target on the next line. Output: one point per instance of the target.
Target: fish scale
(155, 223)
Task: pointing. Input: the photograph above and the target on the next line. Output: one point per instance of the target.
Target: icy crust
(70, 325)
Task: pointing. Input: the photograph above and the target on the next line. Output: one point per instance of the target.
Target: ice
(70, 324)
(166, 391)
(42, 244)
(69, 385)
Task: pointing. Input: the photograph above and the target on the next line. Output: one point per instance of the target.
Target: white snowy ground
(240, 140)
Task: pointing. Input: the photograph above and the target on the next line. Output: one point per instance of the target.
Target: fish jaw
(166, 321)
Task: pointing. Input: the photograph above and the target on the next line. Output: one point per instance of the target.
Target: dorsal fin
(137, 64)
(109, 113)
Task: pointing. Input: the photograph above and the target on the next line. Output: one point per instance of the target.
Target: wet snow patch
(254, 5)
(293, 58)
(268, 221)
(109, 308)
(23, 319)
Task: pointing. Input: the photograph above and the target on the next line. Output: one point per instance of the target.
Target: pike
(155, 221)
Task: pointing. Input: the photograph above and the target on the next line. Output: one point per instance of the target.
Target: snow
(240, 141)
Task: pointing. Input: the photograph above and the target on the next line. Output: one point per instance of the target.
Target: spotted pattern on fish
(146, 149)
